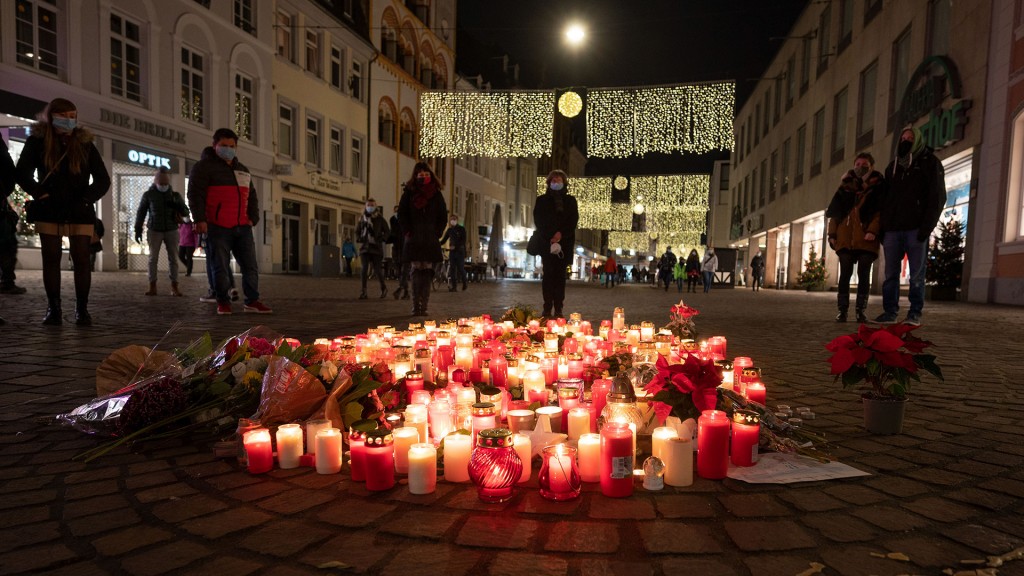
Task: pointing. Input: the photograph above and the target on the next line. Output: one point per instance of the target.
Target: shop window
(36, 35)
(125, 58)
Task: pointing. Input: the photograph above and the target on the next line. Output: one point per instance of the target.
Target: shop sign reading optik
(935, 79)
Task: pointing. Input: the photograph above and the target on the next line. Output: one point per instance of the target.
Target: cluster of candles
(471, 369)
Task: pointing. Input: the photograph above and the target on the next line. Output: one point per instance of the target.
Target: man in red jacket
(225, 208)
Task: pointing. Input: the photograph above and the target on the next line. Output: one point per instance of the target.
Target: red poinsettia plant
(684, 390)
(885, 360)
(681, 321)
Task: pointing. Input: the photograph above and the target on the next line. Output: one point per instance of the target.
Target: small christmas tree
(814, 274)
(946, 256)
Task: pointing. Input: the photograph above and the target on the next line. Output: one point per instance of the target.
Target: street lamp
(574, 34)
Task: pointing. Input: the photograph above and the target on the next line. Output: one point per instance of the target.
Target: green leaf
(219, 388)
(352, 412)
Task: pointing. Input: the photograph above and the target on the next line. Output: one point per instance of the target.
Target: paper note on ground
(778, 468)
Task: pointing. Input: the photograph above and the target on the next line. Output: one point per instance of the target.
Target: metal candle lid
(379, 437)
(494, 438)
(414, 375)
(748, 417)
(752, 371)
(622, 390)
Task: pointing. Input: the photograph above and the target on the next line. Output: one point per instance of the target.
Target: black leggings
(51, 251)
(185, 255)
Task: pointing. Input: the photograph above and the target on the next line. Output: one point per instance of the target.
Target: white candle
(289, 445)
(554, 414)
(416, 417)
(422, 468)
(524, 448)
(405, 437)
(464, 358)
(533, 380)
(328, 451)
(658, 439)
(312, 427)
(466, 395)
(589, 454)
(579, 423)
(678, 458)
(457, 448)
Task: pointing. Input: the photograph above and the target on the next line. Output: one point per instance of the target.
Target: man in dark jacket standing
(371, 232)
(665, 266)
(455, 235)
(225, 208)
(161, 208)
(915, 196)
(8, 227)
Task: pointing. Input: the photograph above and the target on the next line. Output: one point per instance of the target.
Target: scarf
(421, 195)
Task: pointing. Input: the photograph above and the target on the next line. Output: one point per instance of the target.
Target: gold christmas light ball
(570, 104)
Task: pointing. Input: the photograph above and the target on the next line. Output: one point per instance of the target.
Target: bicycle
(440, 274)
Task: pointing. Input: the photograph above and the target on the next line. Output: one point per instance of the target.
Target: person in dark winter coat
(421, 215)
(756, 271)
(665, 266)
(372, 232)
(55, 169)
(225, 207)
(915, 184)
(161, 208)
(556, 215)
(455, 236)
(692, 271)
(853, 228)
(8, 227)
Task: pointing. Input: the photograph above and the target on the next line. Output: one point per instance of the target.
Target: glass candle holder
(380, 460)
(483, 416)
(559, 477)
(494, 466)
(259, 452)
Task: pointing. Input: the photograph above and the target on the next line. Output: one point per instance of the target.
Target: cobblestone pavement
(948, 489)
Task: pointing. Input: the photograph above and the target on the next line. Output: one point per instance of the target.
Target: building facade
(846, 79)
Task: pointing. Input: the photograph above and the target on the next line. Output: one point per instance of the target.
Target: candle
(258, 450)
(559, 478)
(464, 358)
(549, 367)
(618, 319)
(658, 439)
(357, 454)
(416, 417)
(646, 331)
(563, 367)
(598, 398)
(579, 422)
(717, 346)
(712, 444)
(413, 382)
(289, 445)
(520, 420)
(420, 397)
(524, 447)
(328, 451)
(405, 437)
(554, 414)
(616, 460)
(483, 417)
(424, 365)
(466, 395)
(589, 454)
(533, 381)
(499, 371)
(756, 392)
(575, 370)
(678, 458)
(746, 432)
(312, 427)
(440, 419)
(495, 466)
(422, 468)
(457, 449)
(403, 365)
(738, 364)
(569, 391)
(380, 460)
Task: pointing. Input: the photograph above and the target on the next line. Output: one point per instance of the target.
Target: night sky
(629, 43)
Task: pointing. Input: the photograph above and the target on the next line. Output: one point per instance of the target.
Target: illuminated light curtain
(489, 124)
(639, 241)
(694, 118)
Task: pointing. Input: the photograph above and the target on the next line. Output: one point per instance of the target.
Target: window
(746, 195)
(313, 53)
(283, 31)
(866, 105)
(938, 26)
(386, 124)
(337, 67)
(203, 3)
(761, 184)
(900, 72)
(244, 108)
(407, 136)
(286, 130)
(245, 16)
(192, 85)
(773, 175)
(336, 151)
(790, 81)
(871, 9)
(839, 107)
(784, 168)
(355, 82)
(756, 128)
(805, 65)
(125, 58)
(36, 34)
(767, 113)
(824, 38)
(845, 24)
(357, 159)
(313, 141)
(801, 153)
(778, 99)
(817, 142)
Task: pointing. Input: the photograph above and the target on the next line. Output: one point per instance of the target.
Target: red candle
(499, 371)
(357, 454)
(575, 366)
(550, 369)
(738, 364)
(598, 398)
(617, 460)
(712, 444)
(483, 417)
(258, 450)
(534, 395)
(380, 460)
(716, 346)
(756, 392)
(443, 358)
(569, 391)
(746, 431)
(413, 382)
(570, 346)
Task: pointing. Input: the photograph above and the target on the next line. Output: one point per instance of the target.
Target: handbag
(32, 205)
(535, 246)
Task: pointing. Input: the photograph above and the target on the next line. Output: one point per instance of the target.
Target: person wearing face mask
(708, 266)
(915, 195)
(556, 214)
(371, 232)
(756, 271)
(225, 208)
(161, 208)
(61, 169)
(853, 227)
(421, 217)
(455, 236)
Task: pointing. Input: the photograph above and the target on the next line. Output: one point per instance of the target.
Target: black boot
(547, 310)
(558, 310)
(82, 316)
(862, 305)
(843, 301)
(841, 317)
(54, 315)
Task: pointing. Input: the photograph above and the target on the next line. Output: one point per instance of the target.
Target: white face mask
(453, 222)
(371, 209)
(163, 187)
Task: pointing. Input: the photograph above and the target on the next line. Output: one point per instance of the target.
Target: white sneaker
(208, 298)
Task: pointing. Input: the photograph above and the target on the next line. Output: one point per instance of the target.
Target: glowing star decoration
(490, 124)
(570, 104)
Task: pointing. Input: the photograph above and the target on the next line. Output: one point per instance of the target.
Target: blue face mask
(64, 124)
(557, 186)
(226, 153)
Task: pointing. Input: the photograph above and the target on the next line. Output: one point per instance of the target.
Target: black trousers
(863, 260)
(553, 282)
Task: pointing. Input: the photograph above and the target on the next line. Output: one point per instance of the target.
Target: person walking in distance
(611, 270)
(8, 227)
(62, 171)
(665, 266)
(455, 235)
(161, 208)
(186, 244)
(348, 252)
(708, 267)
(225, 207)
(915, 184)
(556, 215)
(853, 226)
(679, 274)
(756, 271)
(372, 232)
(421, 217)
(692, 271)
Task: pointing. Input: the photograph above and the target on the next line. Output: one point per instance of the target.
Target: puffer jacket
(160, 210)
(62, 197)
(222, 194)
(846, 232)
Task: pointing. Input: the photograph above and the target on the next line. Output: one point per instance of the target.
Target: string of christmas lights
(490, 124)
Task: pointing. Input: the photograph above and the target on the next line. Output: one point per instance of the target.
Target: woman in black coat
(556, 215)
(422, 214)
(55, 166)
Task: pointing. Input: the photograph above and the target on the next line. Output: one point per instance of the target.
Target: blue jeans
(221, 244)
(709, 277)
(896, 245)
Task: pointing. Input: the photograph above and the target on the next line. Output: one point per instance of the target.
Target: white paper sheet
(778, 468)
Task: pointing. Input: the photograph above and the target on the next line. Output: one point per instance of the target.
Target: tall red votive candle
(499, 371)
(598, 398)
(617, 459)
(380, 460)
(713, 444)
(357, 454)
(746, 432)
(258, 451)
(756, 392)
